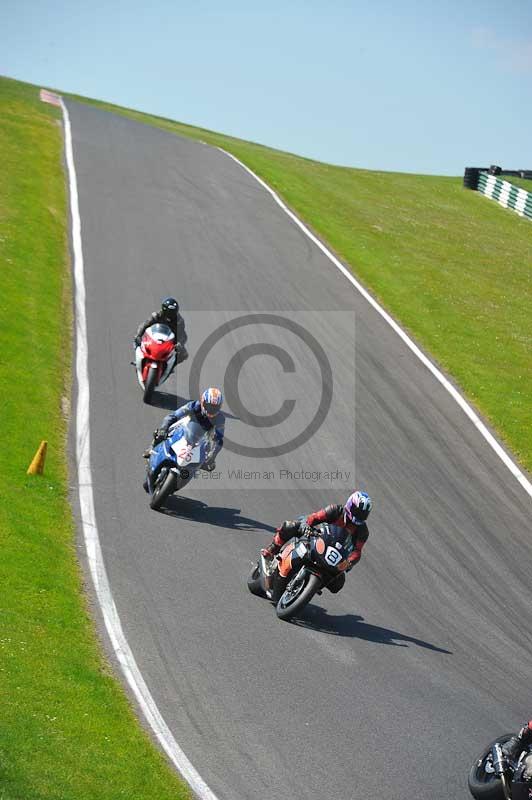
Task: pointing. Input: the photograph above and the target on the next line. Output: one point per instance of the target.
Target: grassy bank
(452, 268)
(66, 728)
(522, 183)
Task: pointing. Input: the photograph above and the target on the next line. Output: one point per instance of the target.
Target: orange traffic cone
(37, 465)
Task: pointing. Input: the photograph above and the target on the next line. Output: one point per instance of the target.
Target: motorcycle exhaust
(499, 765)
(498, 759)
(267, 566)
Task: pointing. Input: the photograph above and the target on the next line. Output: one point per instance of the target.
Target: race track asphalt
(388, 689)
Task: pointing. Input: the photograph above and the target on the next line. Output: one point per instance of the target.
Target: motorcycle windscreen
(336, 537)
(188, 440)
(160, 332)
(333, 546)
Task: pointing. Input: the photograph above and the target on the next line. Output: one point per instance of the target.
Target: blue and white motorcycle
(174, 461)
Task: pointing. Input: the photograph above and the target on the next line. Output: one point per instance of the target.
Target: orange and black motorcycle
(304, 567)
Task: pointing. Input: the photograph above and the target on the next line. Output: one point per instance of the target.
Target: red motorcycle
(155, 358)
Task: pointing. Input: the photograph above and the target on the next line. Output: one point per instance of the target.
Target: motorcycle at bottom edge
(495, 776)
(310, 563)
(174, 461)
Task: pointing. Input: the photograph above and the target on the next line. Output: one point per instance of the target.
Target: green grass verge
(455, 271)
(522, 183)
(66, 728)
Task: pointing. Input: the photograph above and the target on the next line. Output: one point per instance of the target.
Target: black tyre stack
(471, 177)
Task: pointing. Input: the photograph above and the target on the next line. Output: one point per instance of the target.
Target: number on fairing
(332, 556)
(185, 454)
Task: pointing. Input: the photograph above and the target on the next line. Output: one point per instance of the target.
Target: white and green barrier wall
(496, 188)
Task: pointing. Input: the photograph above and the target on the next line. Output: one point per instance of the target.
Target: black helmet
(169, 305)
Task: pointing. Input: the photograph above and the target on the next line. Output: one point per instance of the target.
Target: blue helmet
(211, 401)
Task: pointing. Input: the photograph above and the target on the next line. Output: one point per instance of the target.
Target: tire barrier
(471, 177)
(487, 182)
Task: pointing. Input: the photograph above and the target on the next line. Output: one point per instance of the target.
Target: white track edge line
(88, 518)
(455, 394)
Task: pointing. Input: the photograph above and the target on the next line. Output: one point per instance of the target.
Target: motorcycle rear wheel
(255, 582)
(296, 597)
(486, 785)
(150, 384)
(162, 491)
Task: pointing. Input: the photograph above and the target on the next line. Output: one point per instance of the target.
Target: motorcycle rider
(352, 516)
(521, 741)
(206, 411)
(168, 315)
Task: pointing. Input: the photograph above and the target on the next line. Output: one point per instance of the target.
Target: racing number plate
(186, 453)
(332, 556)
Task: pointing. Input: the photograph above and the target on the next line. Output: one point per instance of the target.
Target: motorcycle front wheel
(163, 490)
(482, 781)
(300, 591)
(150, 384)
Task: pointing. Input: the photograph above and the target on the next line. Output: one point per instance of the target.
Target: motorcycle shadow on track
(167, 400)
(222, 517)
(353, 626)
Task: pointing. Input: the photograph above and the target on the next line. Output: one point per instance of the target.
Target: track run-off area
(391, 687)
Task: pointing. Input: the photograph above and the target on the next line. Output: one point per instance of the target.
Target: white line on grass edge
(88, 519)
(464, 405)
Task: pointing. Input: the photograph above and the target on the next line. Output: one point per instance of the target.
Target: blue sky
(407, 86)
